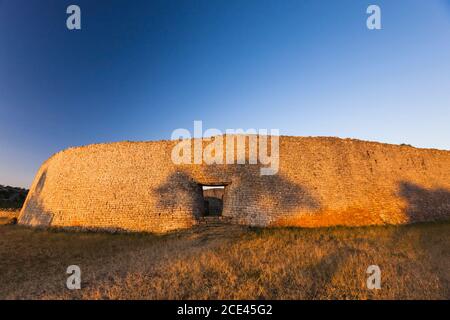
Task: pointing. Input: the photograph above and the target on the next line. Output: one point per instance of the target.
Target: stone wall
(214, 193)
(134, 186)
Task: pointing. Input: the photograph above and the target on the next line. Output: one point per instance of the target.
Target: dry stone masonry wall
(135, 186)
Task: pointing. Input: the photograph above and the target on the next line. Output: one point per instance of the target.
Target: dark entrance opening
(213, 200)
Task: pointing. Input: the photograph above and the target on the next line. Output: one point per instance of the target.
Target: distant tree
(11, 197)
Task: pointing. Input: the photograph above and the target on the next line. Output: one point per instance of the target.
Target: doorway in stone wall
(213, 200)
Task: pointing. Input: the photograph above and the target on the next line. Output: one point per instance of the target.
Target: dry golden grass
(229, 262)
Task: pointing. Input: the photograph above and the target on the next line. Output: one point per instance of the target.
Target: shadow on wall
(34, 213)
(248, 195)
(180, 192)
(260, 200)
(424, 204)
(282, 194)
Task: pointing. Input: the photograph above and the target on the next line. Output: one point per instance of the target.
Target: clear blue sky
(140, 69)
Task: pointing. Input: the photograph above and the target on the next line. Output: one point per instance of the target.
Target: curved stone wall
(135, 186)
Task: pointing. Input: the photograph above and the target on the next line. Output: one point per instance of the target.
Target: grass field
(228, 262)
